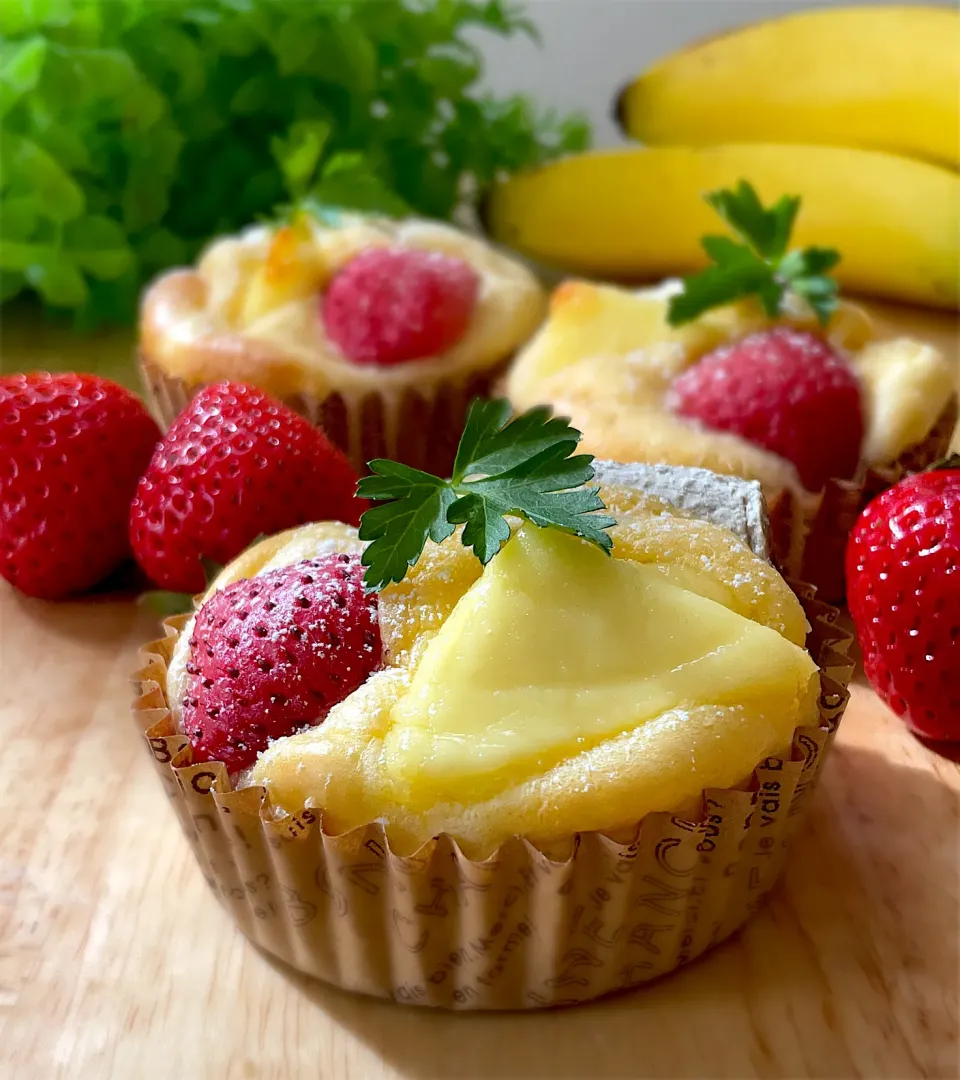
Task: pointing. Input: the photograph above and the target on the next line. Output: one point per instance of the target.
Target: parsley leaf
(415, 508)
(484, 528)
(766, 231)
(491, 442)
(761, 265)
(738, 272)
(523, 466)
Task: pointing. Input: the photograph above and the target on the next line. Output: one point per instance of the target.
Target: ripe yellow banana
(881, 77)
(639, 213)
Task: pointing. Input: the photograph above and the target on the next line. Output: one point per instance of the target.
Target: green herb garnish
(164, 602)
(523, 465)
(324, 184)
(133, 131)
(761, 266)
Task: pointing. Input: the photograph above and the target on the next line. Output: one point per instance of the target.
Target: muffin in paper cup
(523, 924)
(251, 311)
(519, 929)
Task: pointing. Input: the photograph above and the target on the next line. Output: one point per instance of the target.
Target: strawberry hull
(527, 927)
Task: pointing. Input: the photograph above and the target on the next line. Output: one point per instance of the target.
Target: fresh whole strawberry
(903, 587)
(784, 390)
(274, 653)
(72, 448)
(391, 305)
(235, 464)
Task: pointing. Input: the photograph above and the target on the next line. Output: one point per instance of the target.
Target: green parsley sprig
(522, 465)
(761, 265)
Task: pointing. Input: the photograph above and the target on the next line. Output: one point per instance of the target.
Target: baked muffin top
(609, 358)
(252, 308)
(554, 691)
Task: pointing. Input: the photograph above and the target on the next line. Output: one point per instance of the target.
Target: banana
(880, 77)
(639, 213)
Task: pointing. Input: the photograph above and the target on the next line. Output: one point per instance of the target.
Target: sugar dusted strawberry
(274, 653)
(784, 390)
(236, 463)
(391, 305)
(903, 587)
(72, 448)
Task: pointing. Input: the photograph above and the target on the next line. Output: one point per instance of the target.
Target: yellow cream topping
(557, 647)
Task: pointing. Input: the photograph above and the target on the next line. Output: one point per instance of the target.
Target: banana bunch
(857, 110)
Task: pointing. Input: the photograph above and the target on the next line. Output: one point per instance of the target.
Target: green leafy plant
(132, 131)
(523, 466)
(761, 265)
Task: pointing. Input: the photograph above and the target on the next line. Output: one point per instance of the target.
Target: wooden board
(117, 962)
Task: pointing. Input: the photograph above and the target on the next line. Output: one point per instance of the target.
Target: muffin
(380, 331)
(610, 359)
(534, 782)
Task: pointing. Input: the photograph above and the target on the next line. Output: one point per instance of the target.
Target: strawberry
(785, 390)
(236, 463)
(272, 654)
(903, 587)
(71, 450)
(391, 305)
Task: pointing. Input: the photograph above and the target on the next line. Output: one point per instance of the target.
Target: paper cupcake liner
(420, 426)
(520, 929)
(809, 538)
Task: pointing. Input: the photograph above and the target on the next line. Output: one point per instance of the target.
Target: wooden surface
(116, 961)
